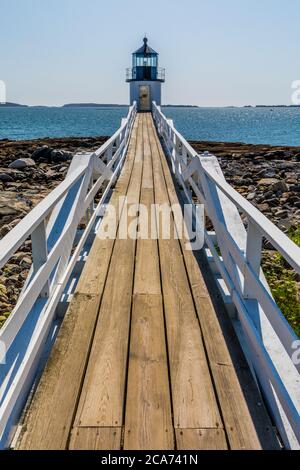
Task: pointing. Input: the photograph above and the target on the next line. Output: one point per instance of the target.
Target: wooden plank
(148, 422)
(147, 272)
(96, 439)
(49, 419)
(201, 439)
(102, 397)
(194, 401)
(147, 182)
(246, 421)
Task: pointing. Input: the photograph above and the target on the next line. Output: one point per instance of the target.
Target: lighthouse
(145, 78)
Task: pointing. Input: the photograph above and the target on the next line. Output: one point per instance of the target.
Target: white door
(144, 98)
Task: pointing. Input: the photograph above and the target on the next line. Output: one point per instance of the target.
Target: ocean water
(275, 126)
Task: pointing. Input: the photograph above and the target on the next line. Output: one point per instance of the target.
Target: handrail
(52, 226)
(270, 339)
(14, 239)
(288, 249)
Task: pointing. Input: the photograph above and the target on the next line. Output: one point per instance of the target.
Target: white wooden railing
(53, 228)
(269, 340)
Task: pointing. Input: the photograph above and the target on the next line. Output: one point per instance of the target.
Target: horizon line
(92, 104)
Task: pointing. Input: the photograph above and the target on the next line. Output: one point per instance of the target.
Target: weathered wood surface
(96, 439)
(148, 420)
(247, 424)
(144, 360)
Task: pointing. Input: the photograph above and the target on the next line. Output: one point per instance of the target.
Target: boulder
(41, 152)
(22, 163)
(58, 156)
(5, 177)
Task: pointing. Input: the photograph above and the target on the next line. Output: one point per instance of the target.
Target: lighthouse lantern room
(145, 78)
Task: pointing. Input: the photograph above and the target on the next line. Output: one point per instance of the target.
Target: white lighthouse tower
(145, 78)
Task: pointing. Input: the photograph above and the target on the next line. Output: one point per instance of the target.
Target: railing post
(184, 155)
(176, 157)
(91, 208)
(40, 253)
(253, 256)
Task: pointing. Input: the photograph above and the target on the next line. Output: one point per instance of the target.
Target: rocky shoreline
(267, 176)
(29, 170)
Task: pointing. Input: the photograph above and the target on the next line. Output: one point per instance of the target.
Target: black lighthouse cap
(145, 49)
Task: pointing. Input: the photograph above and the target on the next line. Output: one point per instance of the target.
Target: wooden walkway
(143, 360)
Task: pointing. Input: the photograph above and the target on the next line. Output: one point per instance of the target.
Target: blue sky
(216, 52)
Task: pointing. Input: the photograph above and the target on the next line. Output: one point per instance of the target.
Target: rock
(50, 174)
(273, 201)
(4, 306)
(5, 177)
(58, 156)
(246, 176)
(268, 181)
(267, 173)
(274, 154)
(281, 213)
(3, 290)
(26, 262)
(22, 163)
(4, 230)
(41, 152)
(251, 196)
(263, 207)
(268, 194)
(8, 210)
(291, 180)
(284, 224)
(281, 186)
